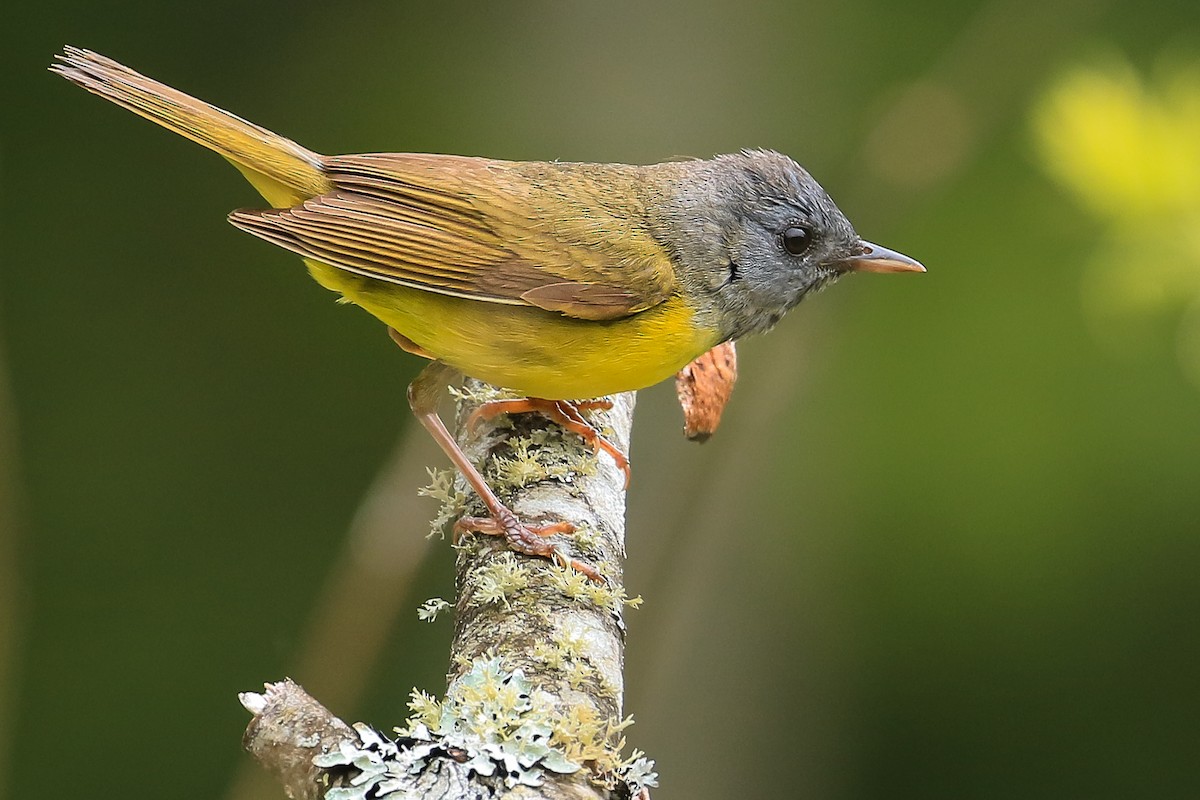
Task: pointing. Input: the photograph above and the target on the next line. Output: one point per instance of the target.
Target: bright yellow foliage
(1128, 149)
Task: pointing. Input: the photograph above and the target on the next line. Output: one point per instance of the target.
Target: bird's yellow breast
(531, 351)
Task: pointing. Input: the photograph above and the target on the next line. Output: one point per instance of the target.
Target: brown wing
(565, 237)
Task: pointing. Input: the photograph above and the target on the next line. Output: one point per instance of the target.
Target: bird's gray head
(756, 233)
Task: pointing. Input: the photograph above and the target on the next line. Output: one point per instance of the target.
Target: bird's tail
(283, 172)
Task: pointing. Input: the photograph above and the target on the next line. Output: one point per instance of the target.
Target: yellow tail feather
(281, 170)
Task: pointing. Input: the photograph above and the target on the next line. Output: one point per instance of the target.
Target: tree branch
(533, 705)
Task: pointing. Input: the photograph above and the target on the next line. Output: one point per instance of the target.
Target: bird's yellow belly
(531, 351)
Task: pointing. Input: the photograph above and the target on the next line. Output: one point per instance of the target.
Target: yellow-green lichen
(586, 736)
(551, 654)
(425, 708)
(586, 537)
(479, 393)
(442, 487)
(497, 581)
(541, 455)
(574, 585)
(567, 654)
(578, 673)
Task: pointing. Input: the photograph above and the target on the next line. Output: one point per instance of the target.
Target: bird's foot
(531, 540)
(567, 413)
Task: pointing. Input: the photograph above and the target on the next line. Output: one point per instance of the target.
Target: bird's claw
(530, 540)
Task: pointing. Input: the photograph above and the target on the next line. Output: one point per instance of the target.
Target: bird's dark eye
(796, 240)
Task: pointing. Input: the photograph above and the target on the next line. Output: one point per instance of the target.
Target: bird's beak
(873, 258)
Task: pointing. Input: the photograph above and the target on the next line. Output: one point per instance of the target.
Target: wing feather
(547, 235)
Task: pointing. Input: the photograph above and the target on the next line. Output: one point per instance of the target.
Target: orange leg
(423, 395)
(567, 413)
(409, 346)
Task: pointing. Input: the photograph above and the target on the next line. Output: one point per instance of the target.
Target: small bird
(560, 281)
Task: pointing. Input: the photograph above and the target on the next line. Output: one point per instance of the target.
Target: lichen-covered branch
(533, 707)
(288, 731)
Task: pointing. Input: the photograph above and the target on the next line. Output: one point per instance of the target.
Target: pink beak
(874, 258)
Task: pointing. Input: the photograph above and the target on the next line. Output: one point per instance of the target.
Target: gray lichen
(431, 608)
(495, 725)
(498, 719)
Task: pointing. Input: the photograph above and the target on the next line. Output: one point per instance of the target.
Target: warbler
(560, 281)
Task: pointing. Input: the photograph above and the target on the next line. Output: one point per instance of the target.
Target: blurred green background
(946, 545)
